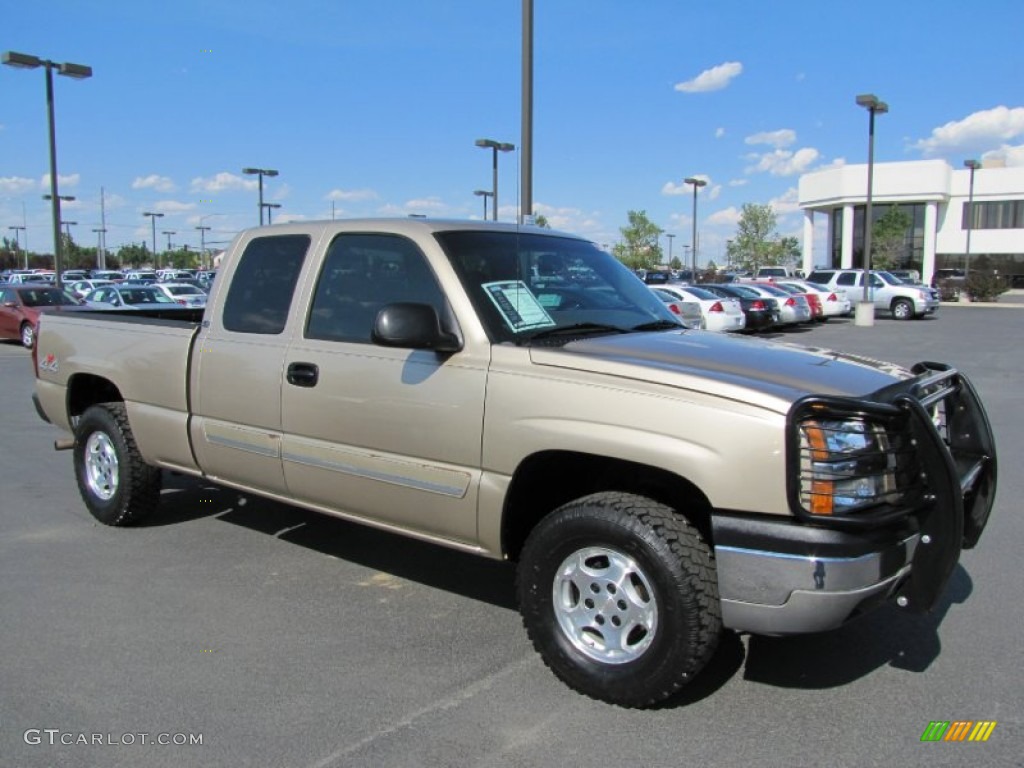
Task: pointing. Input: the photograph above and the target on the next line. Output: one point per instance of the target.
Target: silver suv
(888, 293)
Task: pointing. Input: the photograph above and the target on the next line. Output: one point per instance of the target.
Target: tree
(640, 248)
(889, 237)
(134, 255)
(756, 243)
(541, 220)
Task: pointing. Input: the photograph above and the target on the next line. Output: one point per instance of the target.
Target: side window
(362, 273)
(847, 278)
(263, 284)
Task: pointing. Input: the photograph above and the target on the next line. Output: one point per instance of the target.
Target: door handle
(303, 374)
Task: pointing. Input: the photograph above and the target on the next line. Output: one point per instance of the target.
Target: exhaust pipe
(64, 444)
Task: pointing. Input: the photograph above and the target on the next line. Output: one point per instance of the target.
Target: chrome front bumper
(775, 593)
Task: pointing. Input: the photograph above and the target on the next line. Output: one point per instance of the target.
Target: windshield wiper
(658, 325)
(577, 329)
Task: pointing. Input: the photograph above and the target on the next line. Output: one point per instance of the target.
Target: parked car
(21, 305)
(911, 276)
(81, 287)
(817, 311)
(888, 293)
(140, 276)
(771, 274)
(184, 294)
(73, 275)
(123, 296)
(717, 313)
(834, 301)
(107, 274)
(761, 312)
(688, 312)
(792, 309)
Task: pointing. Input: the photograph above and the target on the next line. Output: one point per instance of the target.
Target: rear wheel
(903, 309)
(28, 335)
(117, 486)
(619, 596)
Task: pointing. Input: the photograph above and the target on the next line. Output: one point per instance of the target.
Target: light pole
(670, 237)
(686, 260)
(484, 194)
(865, 312)
(261, 172)
(153, 217)
(495, 147)
(168, 232)
(17, 242)
(80, 72)
(973, 165)
(67, 229)
(270, 211)
(697, 184)
(99, 246)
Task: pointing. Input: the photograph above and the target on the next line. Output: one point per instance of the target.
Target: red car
(21, 305)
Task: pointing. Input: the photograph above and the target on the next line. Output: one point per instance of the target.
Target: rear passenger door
(238, 362)
(378, 433)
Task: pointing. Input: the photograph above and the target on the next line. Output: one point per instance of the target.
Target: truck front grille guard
(854, 463)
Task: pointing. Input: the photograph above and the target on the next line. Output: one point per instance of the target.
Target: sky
(373, 107)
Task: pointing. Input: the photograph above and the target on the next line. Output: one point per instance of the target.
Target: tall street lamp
(77, 71)
(153, 217)
(865, 312)
(670, 237)
(67, 229)
(17, 242)
(168, 232)
(697, 184)
(261, 172)
(99, 246)
(973, 165)
(270, 211)
(484, 194)
(495, 147)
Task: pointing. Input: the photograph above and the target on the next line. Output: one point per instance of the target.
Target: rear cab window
(263, 285)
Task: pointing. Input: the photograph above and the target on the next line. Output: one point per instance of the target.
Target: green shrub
(984, 286)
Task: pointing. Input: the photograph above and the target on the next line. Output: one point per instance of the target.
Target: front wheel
(118, 487)
(619, 596)
(902, 309)
(28, 335)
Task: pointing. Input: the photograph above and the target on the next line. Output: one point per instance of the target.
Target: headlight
(845, 465)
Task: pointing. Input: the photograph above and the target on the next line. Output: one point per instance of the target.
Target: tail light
(832, 297)
(183, 302)
(716, 307)
(758, 306)
(790, 302)
(675, 308)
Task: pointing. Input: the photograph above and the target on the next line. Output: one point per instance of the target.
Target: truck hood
(725, 365)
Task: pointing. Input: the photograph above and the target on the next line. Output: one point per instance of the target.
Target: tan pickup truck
(520, 394)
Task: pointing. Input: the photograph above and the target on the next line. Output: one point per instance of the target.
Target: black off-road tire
(118, 487)
(620, 557)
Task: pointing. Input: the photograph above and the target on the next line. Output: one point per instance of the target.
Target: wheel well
(547, 480)
(85, 390)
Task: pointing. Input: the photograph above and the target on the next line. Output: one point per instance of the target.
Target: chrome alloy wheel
(605, 605)
(101, 466)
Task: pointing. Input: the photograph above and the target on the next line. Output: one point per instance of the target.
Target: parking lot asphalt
(279, 637)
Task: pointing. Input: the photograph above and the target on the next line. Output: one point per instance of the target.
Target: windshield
(184, 290)
(890, 279)
(144, 296)
(46, 297)
(526, 285)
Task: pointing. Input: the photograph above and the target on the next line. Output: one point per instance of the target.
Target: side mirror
(414, 326)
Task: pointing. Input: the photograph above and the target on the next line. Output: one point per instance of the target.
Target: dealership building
(934, 196)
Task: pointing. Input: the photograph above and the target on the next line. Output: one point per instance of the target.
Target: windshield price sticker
(519, 307)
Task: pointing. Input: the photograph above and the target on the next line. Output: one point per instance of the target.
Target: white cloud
(729, 216)
(778, 139)
(173, 206)
(714, 79)
(16, 185)
(978, 129)
(714, 192)
(786, 203)
(351, 195)
(62, 181)
(1009, 156)
(430, 204)
(281, 191)
(739, 182)
(154, 181)
(223, 182)
(719, 133)
(782, 162)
